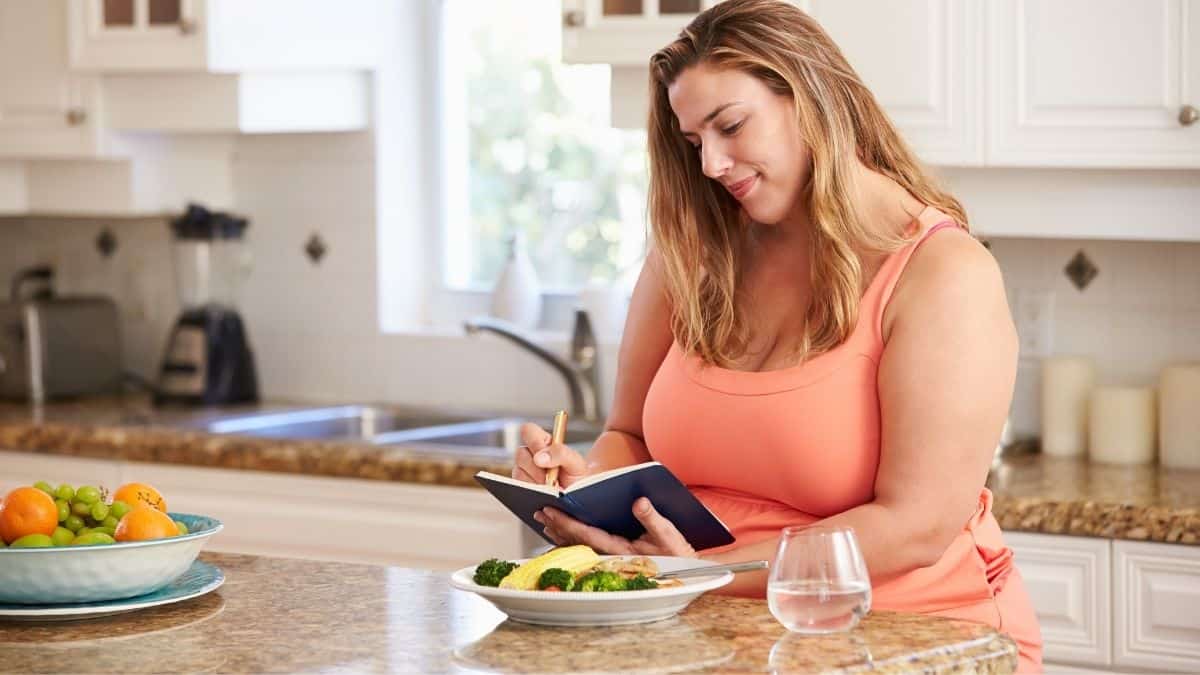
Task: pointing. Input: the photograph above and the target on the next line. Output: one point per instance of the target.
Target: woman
(814, 337)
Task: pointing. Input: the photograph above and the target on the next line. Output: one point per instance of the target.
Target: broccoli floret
(491, 571)
(556, 577)
(640, 583)
(599, 582)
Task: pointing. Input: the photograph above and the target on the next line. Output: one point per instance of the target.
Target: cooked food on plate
(572, 568)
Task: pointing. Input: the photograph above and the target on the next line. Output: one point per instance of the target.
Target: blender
(208, 359)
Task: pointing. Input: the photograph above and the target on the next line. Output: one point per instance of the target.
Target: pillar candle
(1066, 383)
(1179, 416)
(1121, 425)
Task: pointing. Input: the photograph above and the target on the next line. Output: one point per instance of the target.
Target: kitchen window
(525, 145)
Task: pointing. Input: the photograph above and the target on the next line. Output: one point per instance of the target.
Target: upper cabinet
(45, 110)
(1034, 83)
(919, 60)
(222, 35)
(1112, 83)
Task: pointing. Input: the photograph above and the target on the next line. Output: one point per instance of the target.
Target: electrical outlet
(1035, 323)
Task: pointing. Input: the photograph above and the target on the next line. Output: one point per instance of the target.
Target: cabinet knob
(76, 116)
(1188, 115)
(187, 26)
(573, 19)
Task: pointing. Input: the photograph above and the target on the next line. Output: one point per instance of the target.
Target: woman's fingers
(569, 462)
(563, 529)
(534, 436)
(660, 532)
(524, 468)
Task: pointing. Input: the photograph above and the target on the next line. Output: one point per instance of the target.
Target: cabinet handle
(1188, 115)
(76, 116)
(573, 19)
(187, 27)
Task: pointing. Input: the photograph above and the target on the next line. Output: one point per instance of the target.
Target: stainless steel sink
(496, 437)
(492, 438)
(347, 422)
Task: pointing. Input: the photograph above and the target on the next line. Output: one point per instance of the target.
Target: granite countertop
(286, 615)
(1033, 492)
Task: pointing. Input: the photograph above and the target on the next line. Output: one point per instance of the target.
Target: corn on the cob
(574, 559)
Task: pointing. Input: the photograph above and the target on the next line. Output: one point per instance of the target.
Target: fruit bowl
(60, 574)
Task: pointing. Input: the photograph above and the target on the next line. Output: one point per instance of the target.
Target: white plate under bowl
(105, 572)
(551, 608)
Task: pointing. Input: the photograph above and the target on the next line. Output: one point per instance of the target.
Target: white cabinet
(45, 110)
(1157, 595)
(279, 514)
(1093, 83)
(1069, 584)
(223, 35)
(623, 32)
(923, 63)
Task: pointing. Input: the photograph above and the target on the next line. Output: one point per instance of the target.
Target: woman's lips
(740, 189)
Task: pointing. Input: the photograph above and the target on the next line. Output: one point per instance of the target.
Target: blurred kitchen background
(384, 153)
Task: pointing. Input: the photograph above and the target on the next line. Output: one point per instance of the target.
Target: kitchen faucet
(581, 372)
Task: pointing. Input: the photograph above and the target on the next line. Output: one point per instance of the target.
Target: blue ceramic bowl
(59, 574)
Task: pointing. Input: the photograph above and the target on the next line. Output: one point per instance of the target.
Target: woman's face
(747, 138)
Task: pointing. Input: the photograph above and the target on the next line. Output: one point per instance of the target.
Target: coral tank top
(764, 450)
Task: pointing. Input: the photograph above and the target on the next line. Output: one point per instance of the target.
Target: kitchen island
(288, 615)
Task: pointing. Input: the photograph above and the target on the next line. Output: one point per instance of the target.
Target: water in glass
(818, 582)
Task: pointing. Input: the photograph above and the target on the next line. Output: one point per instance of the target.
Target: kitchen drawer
(342, 519)
(1069, 583)
(1157, 600)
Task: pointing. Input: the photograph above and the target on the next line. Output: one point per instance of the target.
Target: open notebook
(605, 500)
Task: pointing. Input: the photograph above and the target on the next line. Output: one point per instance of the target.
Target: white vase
(517, 297)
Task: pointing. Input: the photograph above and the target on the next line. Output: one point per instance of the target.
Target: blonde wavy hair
(698, 228)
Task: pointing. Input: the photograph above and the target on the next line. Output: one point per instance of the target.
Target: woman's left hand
(661, 537)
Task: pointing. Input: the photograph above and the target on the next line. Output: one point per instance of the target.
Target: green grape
(73, 523)
(183, 529)
(65, 491)
(110, 522)
(110, 531)
(82, 531)
(99, 511)
(62, 536)
(118, 509)
(88, 494)
(93, 538)
(64, 509)
(44, 487)
(81, 509)
(33, 541)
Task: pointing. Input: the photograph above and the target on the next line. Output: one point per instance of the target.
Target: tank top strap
(888, 275)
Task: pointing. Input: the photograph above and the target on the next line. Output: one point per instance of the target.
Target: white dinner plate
(551, 608)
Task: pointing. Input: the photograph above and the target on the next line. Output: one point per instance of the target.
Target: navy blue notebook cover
(606, 501)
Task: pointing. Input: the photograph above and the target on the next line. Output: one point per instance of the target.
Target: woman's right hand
(537, 455)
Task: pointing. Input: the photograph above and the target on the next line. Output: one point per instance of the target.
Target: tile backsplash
(315, 327)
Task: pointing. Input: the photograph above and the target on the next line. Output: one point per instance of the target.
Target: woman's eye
(732, 129)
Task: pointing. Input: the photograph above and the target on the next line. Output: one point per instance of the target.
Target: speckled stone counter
(281, 615)
(132, 429)
(1037, 493)
(1033, 493)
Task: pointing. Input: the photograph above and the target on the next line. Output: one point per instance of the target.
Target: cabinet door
(1157, 606)
(623, 32)
(1068, 583)
(922, 59)
(24, 468)
(45, 111)
(1093, 83)
(351, 520)
(132, 35)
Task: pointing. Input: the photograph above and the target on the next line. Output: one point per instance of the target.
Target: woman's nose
(713, 162)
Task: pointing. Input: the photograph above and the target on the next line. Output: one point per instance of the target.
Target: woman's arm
(945, 385)
(644, 344)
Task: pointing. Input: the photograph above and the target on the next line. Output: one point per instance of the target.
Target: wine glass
(818, 582)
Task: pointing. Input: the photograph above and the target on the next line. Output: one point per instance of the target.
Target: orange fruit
(27, 510)
(140, 494)
(144, 523)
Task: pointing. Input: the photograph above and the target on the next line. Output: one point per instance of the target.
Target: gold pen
(557, 436)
